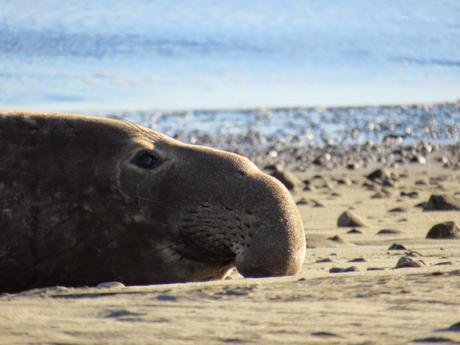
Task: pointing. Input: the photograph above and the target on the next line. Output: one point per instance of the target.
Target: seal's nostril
(241, 173)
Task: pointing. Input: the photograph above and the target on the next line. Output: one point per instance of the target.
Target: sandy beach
(349, 290)
(353, 105)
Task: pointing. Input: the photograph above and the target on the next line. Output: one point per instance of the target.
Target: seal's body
(86, 200)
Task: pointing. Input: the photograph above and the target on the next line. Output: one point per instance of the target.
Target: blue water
(111, 55)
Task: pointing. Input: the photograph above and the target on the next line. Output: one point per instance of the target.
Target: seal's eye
(146, 160)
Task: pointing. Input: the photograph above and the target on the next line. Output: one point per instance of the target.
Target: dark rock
(432, 340)
(446, 230)
(357, 260)
(353, 166)
(286, 177)
(389, 232)
(383, 177)
(418, 159)
(397, 246)
(354, 231)
(442, 202)
(408, 262)
(322, 160)
(337, 239)
(412, 195)
(343, 270)
(398, 209)
(308, 186)
(350, 219)
(453, 328)
(344, 181)
(325, 260)
(302, 201)
(375, 269)
(325, 335)
(378, 195)
(166, 298)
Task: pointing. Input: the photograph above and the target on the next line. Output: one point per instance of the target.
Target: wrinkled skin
(75, 209)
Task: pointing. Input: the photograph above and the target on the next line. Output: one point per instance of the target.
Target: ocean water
(168, 55)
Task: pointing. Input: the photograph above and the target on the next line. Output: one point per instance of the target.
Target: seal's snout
(235, 213)
(277, 246)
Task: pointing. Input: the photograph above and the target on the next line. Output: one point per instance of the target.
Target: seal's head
(86, 200)
(216, 209)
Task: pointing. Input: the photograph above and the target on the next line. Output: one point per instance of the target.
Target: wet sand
(371, 302)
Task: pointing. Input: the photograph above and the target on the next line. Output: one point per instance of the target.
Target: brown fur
(75, 210)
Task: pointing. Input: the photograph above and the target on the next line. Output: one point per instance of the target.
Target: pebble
(397, 246)
(446, 230)
(350, 219)
(354, 231)
(412, 195)
(337, 239)
(389, 232)
(166, 298)
(442, 202)
(408, 262)
(343, 270)
(453, 328)
(383, 177)
(398, 210)
(357, 260)
(110, 285)
(302, 201)
(286, 177)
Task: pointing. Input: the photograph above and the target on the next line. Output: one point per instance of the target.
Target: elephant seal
(87, 199)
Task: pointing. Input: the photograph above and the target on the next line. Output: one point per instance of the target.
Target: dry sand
(375, 304)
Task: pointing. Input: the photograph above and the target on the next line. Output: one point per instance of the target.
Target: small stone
(302, 201)
(110, 285)
(325, 335)
(453, 328)
(350, 219)
(389, 232)
(325, 260)
(442, 202)
(322, 160)
(378, 195)
(397, 246)
(337, 239)
(383, 177)
(398, 210)
(344, 181)
(166, 298)
(408, 262)
(357, 260)
(353, 166)
(286, 177)
(412, 195)
(446, 230)
(354, 231)
(316, 203)
(418, 159)
(343, 270)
